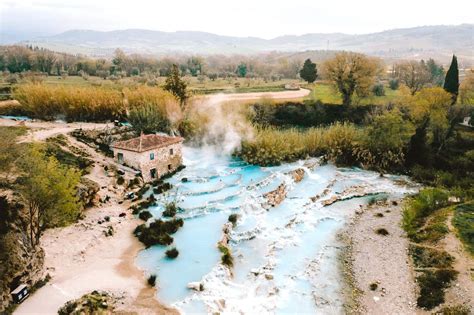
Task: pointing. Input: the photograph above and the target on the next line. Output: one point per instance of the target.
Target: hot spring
(285, 257)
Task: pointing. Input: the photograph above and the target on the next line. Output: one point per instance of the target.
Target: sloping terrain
(398, 43)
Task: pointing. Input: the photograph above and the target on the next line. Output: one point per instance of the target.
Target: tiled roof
(146, 143)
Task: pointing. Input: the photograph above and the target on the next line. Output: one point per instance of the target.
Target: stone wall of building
(164, 162)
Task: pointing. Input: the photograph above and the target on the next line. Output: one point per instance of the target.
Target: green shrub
(158, 232)
(145, 215)
(378, 89)
(152, 280)
(272, 146)
(382, 232)
(455, 310)
(425, 257)
(92, 303)
(120, 180)
(432, 286)
(233, 218)
(394, 84)
(172, 253)
(226, 257)
(463, 220)
(73, 102)
(170, 209)
(419, 207)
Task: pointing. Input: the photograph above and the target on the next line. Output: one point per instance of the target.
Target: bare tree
(413, 74)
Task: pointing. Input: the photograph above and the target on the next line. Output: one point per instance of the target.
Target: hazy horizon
(243, 19)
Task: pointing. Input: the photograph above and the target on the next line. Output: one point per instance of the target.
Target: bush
(92, 303)
(233, 218)
(378, 89)
(151, 280)
(419, 207)
(145, 215)
(120, 180)
(170, 209)
(271, 146)
(158, 232)
(382, 232)
(75, 103)
(425, 257)
(172, 253)
(394, 84)
(464, 222)
(161, 188)
(226, 257)
(455, 310)
(432, 285)
(152, 109)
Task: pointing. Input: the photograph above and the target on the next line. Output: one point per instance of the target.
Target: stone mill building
(153, 155)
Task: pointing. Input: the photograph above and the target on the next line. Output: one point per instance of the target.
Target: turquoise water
(285, 258)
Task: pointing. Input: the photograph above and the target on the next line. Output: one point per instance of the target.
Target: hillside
(417, 42)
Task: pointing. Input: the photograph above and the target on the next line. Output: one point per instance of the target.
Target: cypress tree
(309, 73)
(451, 83)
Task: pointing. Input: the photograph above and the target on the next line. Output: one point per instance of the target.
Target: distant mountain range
(420, 41)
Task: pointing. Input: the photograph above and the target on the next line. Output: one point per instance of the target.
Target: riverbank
(377, 268)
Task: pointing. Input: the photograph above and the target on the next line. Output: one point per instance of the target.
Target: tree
(309, 72)
(148, 118)
(466, 89)
(10, 149)
(436, 72)
(351, 73)
(385, 140)
(242, 70)
(44, 61)
(49, 190)
(451, 82)
(413, 74)
(431, 110)
(176, 86)
(119, 61)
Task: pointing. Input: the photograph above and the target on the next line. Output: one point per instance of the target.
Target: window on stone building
(171, 151)
(153, 173)
(169, 167)
(120, 157)
(152, 156)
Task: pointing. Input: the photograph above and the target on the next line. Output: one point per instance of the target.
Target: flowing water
(285, 257)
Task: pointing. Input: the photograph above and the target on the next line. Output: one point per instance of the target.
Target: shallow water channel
(285, 257)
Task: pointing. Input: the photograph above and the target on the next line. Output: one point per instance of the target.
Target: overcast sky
(267, 19)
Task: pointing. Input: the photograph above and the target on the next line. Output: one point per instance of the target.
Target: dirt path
(381, 260)
(257, 95)
(462, 290)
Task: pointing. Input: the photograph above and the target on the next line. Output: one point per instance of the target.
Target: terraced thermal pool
(285, 257)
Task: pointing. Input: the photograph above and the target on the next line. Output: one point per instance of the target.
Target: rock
(195, 286)
(255, 271)
(275, 197)
(297, 175)
(20, 263)
(122, 215)
(268, 276)
(87, 192)
(184, 180)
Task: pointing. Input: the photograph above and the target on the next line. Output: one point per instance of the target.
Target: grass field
(321, 90)
(233, 85)
(326, 93)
